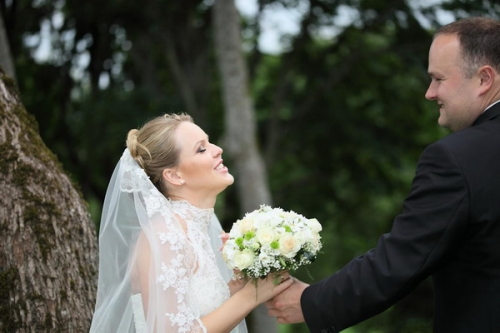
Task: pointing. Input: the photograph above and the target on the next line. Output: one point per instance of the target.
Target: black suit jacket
(449, 229)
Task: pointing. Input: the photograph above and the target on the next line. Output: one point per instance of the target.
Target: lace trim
(184, 320)
(189, 213)
(188, 274)
(138, 310)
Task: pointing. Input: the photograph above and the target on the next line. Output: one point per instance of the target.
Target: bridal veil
(135, 214)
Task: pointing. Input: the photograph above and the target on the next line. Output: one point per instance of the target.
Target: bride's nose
(217, 151)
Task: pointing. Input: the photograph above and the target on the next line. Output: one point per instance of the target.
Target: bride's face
(200, 162)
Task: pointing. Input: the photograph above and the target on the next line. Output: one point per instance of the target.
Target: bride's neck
(197, 201)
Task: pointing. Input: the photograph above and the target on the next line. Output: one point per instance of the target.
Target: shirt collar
(492, 111)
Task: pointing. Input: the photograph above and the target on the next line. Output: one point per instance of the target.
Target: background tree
(339, 113)
(5, 57)
(240, 138)
(48, 248)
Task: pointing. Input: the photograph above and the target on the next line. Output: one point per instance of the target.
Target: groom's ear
(486, 79)
(171, 176)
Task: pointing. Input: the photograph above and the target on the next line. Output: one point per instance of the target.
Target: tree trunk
(48, 249)
(6, 62)
(240, 128)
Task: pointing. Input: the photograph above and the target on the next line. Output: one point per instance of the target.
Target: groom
(449, 228)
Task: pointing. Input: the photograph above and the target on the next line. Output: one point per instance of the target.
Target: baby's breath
(270, 240)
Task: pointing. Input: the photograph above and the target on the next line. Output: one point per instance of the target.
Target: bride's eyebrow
(200, 142)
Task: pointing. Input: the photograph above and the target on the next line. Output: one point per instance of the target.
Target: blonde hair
(154, 147)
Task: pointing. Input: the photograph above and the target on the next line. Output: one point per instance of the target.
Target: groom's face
(455, 94)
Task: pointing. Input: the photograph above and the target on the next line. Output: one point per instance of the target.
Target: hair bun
(132, 142)
(133, 146)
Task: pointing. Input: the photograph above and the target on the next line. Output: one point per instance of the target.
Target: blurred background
(319, 104)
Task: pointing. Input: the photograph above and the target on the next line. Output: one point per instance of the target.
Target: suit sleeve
(432, 221)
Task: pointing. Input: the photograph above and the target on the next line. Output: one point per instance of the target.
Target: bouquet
(269, 240)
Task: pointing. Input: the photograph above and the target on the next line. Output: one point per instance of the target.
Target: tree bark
(48, 249)
(6, 62)
(240, 139)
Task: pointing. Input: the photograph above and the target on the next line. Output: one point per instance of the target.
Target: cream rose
(246, 225)
(288, 245)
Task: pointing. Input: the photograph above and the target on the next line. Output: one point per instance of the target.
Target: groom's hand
(286, 305)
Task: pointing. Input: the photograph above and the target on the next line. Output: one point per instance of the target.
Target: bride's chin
(225, 181)
(228, 181)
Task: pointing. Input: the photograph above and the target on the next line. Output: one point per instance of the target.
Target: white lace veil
(135, 211)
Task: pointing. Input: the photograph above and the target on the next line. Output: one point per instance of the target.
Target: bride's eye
(201, 150)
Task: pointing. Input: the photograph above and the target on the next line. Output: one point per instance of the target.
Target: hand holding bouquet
(270, 240)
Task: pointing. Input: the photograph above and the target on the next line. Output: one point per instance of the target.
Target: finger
(280, 277)
(283, 285)
(287, 277)
(284, 277)
(273, 313)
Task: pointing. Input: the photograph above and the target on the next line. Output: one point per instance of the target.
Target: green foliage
(341, 120)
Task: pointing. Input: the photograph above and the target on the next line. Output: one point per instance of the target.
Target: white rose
(288, 245)
(246, 225)
(259, 221)
(314, 225)
(315, 243)
(243, 259)
(235, 232)
(303, 236)
(265, 236)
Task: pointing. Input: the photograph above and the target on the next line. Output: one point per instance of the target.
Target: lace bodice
(188, 271)
(207, 288)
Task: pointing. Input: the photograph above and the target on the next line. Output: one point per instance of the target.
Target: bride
(160, 267)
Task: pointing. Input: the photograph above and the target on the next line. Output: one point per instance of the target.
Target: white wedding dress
(190, 270)
(160, 268)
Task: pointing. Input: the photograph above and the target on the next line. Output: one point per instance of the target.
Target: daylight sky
(277, 20)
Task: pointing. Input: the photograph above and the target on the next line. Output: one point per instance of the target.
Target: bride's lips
(221, 167)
